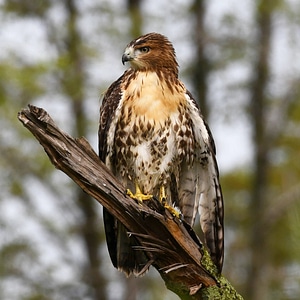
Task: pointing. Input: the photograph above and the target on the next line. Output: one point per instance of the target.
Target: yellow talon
(174, 211)
(162, 195)
(138, 194)
(163, 199)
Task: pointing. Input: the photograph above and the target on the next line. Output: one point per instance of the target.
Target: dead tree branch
(171, 245)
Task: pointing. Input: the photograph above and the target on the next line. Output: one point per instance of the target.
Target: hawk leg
(163, 199)
(138, 194)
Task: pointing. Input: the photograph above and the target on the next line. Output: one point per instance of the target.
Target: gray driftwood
(171, 245)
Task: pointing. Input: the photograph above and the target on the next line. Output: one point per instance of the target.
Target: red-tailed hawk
(153, 138)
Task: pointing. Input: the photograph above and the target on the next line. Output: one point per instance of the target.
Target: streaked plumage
(152, 133)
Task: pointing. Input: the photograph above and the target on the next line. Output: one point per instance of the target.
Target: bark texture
(171, 245)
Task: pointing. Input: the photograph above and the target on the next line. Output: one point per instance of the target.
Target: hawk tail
(123, 248)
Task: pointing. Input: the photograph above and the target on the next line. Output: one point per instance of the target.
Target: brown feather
(151, 132)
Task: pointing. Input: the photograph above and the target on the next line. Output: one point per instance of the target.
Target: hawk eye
(145, 49)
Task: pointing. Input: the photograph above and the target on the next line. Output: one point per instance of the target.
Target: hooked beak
(128, 55)
(125, 58)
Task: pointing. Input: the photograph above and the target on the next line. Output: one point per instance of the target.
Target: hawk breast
(153, 133)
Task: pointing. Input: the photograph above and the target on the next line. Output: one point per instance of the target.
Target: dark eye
(145, 49)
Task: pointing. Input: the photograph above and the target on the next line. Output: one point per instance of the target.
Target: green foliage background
(61, 55)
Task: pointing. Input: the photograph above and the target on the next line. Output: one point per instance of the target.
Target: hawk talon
(163, 201)
(162, 195)
(174, 211)
(139, 196)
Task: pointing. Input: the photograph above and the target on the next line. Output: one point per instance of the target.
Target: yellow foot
(174, 211)
(163, 199)
(162, 195)
(138, 196)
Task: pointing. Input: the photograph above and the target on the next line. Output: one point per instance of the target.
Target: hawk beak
(125, 58)
(128, 55)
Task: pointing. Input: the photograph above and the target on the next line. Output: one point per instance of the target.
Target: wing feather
(109, 105)
(204, 174)
(120, 246)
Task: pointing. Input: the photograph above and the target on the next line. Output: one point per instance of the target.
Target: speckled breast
(149, 151)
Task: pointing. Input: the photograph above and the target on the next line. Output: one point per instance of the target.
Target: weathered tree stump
(171, 245)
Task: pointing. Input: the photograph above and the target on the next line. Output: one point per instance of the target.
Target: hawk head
(151, 52)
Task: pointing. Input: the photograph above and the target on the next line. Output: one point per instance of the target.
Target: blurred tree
(73, 84)
(26, 82)
(50, 245)
(258, 198)
(266, 134)
(262, 145)
(135, 13)
(201, 66)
